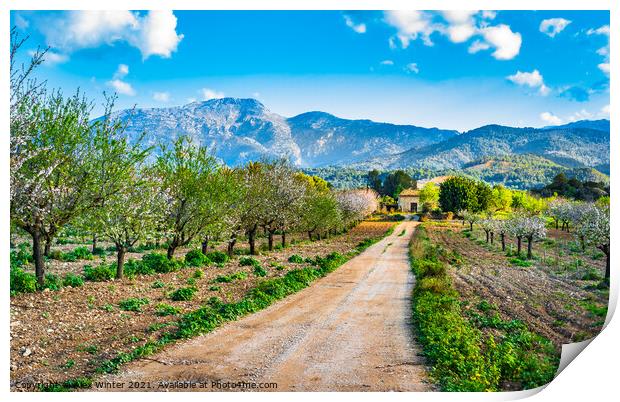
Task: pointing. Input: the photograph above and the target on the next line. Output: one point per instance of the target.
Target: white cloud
(411, 24)
(359, 28)
(604, 67)
(553, 26)
(507, 44)
(550, 118)
(532, 80)
(191, 100)
(157, 35)
(121, 71)
(255, 95)
(208, 94)
(462, 25)
(161, 96)
(604, 51)
(477, 46)
(387, 63)
(544, 90)
(412, 67)
(605, 110)
(122, 87)
(489, 14)
(153, 33)
(580, 115)
(603, 30)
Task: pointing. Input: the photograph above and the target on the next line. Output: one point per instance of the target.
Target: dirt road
(349, 331)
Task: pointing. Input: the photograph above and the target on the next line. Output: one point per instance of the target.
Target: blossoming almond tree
(129, 215)
(594, 228)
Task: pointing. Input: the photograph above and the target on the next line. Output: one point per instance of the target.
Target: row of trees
(590, 221)
(67, 169)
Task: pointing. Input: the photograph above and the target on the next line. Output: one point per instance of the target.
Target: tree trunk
(270, 239)
(605, 249)
(529, 248)
(48, 246)
(283, 239)
(37, 255)
(503, 237)
(171, 249)
(519, 246)
(471, 226)
(583, 243)
(310, 235)
(205, 244)
(94, 243)
(492, 235)
(556, 224)
(487, 233)
(252, 240)
(231, 245)
(120, 261)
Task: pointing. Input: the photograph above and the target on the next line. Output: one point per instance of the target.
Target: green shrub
(183, 294)
(199, 273)
(296, 259)
(520, 263)
(135, 267)
(218, 257)
(98, 251)
(52, 282)
(133, 304)
(246, 261)
(591, 275)
(72, 280)
(191, 281)
(160, 263)
(101, 273)
(158, 285)
(163, 309)
(82, 253)
(259, 271)
(22, 282)
(214, 288)
(195, 258)
(277, 266)
(232, 277)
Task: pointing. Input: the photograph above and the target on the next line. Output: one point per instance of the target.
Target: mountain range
(241, 130)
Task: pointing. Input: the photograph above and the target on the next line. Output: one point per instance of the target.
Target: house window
(414, 207)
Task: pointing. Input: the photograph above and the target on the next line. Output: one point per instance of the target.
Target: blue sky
(456, 70)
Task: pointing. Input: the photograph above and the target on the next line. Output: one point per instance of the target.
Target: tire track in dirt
(349, 331)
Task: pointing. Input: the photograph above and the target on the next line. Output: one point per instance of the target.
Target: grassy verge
(215, 312)
(477, 351)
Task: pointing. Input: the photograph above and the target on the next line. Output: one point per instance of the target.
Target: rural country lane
(349, 331)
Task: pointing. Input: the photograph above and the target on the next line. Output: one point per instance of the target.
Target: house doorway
(414, 207)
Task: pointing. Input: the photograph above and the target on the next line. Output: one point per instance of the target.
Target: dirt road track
(349, 331)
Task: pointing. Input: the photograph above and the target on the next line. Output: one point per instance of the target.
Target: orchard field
(72, 332)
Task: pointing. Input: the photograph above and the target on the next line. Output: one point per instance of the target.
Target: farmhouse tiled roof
(409, 192)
